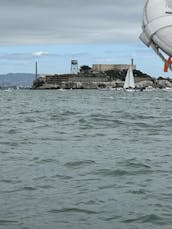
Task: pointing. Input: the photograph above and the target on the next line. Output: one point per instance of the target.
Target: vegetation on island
(38, 82)
(121, 74)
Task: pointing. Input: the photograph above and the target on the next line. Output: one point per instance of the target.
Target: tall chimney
(36, 70)
(132, 61)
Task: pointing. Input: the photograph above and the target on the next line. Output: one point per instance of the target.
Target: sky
(53, 32)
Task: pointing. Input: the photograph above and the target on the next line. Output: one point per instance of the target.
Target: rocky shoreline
(100, 80)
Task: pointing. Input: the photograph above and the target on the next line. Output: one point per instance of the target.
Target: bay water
(85, 159)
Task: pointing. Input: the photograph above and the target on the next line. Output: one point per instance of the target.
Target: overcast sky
(69, 21)
(54, 31)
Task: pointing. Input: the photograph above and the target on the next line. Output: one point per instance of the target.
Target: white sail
(129, 80)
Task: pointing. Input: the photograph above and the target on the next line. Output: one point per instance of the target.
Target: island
(99, 77)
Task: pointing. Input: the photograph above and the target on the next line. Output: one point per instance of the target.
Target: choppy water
(85, 159)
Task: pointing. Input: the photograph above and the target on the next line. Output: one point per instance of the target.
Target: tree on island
(85, 69)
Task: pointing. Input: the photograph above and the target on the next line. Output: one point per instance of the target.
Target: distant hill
(17, 79)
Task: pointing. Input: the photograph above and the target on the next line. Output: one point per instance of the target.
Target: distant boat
(129, 80)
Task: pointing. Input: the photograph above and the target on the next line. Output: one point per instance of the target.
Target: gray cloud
(69, 21)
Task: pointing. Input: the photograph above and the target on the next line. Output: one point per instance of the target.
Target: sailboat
(129, 80)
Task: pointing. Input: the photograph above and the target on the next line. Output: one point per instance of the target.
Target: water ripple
(6, 222)
(109, 172)
(73, 210)
(152, 218)
(76, 164)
